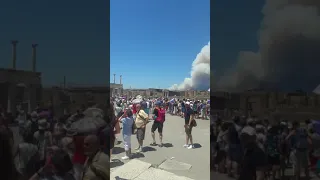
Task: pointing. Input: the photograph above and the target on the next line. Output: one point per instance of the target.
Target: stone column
(14, 53)
(11, 107)
(31, 98)
(34, 57)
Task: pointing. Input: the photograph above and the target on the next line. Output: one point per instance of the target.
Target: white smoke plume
(289, 50)
(200, 72)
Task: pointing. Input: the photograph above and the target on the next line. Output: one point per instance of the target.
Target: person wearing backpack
(300, 154)
(159, 114)
(272, 148)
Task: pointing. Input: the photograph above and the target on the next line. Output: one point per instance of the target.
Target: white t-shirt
(148, 104)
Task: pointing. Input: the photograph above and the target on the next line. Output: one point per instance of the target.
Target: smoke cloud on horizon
(200, 73)
(289, 50)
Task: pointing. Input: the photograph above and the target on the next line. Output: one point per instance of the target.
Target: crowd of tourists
(258, 149)
(49, 148)
(135, 114)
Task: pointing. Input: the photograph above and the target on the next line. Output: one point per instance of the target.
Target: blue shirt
(127, 125)
(187, 115)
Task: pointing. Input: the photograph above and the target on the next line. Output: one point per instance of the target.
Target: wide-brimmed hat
(34, 114)
(248, 130)
(71, 132)
(43, 124)
(66, 141)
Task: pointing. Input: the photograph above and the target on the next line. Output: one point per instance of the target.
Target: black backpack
(34, 127)
(233, 135)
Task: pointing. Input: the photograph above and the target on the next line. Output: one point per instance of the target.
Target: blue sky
(153, 43)
(72, 37)
(235, 26)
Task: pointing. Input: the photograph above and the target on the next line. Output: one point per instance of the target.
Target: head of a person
(248, 136)
(43, 125)
(67, 144)
(307, 122)
(225, 126)
(59, 130)
(91, 145)
(61, 162)
(295, 125)
(251, 122)
(158, 104)
(236, 120)
(34, 116)
(128, 113)
(138, 107)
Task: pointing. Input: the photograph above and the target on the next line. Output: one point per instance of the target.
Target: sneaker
(191, 147)
(186, 145)
(161, 145)
(125, 157)
(137, 148)
(153, 144)
(140, 150)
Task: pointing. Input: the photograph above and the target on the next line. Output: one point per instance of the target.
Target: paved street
(191, 163)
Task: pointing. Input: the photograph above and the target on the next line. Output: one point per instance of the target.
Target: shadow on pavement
(148, 148)
(137, 155)
(167, 145)
(197, 145)
(119, 178)
(116, 163)
(117, 150)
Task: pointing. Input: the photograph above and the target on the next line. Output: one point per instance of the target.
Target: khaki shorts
(141, 133)
(188, 129)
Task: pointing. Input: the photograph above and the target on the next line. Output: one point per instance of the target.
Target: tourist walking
(141, 121)
(127, 122)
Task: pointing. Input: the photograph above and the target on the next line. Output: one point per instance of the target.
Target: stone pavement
(172, 160)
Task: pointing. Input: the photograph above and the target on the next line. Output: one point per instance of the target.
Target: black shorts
(141, 133)
(157, 125)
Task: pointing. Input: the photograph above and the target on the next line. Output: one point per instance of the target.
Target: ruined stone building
(20, 89)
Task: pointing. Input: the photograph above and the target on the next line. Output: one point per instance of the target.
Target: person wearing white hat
(43, 138)
(189, 117)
